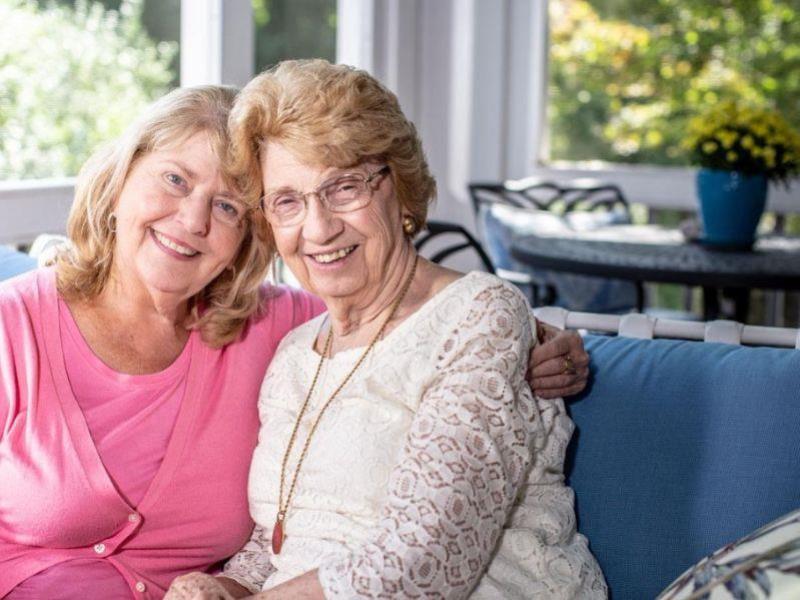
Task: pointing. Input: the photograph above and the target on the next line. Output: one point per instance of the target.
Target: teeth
(332, 256)
(173, 246)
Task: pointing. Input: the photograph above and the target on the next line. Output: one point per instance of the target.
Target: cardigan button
(140, 586)
(99, 548)
(133, 517)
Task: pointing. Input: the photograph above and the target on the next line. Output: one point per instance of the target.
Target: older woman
(129, 373)
(415, 461)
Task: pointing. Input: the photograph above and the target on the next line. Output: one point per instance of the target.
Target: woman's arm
(463, 462)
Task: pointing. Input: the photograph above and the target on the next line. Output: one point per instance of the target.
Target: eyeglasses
(343, 194)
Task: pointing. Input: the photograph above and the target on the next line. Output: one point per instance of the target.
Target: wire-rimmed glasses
(344, 193)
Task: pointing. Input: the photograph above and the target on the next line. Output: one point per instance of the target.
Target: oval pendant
(277, 537)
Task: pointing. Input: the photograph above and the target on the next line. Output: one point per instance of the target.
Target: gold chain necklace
(283, 506)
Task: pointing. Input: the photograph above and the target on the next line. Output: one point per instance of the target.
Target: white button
(99, 548)
(133, 518)
(140, 586)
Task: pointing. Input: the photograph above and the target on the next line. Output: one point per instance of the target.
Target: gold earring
(112, 222)
(409, 227)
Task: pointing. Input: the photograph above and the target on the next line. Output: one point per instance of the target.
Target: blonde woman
(402, 454)
(127, 415)
(129, 372)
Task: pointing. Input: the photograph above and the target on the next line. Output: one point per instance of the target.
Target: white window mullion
(217, 42)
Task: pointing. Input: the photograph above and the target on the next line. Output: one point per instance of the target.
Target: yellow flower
(727, 138)
(752, 135)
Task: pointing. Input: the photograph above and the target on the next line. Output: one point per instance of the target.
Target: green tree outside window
(72, 75)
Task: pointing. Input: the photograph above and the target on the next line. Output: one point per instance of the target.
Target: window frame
(652, 185)
(216, 38)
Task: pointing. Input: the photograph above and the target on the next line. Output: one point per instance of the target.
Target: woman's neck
(356, 321)
(138, 305)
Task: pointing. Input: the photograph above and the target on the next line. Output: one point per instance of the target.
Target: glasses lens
(285, 208)
(347, 193)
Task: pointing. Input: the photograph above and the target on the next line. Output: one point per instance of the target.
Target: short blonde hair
(221, 309)
(331, 115)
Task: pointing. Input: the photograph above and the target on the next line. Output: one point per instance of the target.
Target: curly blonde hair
(331, 115)
(220, 310)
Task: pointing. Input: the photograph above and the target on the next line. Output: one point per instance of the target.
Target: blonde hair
(222, 307)
(331, 115)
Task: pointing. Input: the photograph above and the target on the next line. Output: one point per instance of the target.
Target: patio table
(652, 253)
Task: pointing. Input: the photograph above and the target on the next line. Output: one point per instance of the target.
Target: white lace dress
(433, 474)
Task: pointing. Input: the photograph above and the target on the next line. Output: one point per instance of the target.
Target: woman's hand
(202, 586)
(559, 365)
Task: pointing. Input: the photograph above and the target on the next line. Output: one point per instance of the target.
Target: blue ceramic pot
(730, 205)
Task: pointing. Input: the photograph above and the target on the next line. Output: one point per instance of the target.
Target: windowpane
(73, 74)
(294, 29)
(625, 75)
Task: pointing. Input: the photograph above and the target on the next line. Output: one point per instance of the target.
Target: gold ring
(569, 366)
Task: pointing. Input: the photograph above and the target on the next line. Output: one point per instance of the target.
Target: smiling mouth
(329, 257)
(172, 245)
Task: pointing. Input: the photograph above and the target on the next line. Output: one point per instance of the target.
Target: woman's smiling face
(341, 255)
(178, 225)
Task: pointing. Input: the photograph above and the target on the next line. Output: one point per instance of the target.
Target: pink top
(81, 505)
(122, 412)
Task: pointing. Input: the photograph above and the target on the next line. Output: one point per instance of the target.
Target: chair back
(533, 206)
(459, 239)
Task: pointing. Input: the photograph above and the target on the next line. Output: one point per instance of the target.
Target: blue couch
(680, 448)
(13, 263)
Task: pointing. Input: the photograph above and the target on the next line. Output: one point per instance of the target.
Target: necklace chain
(283, 506)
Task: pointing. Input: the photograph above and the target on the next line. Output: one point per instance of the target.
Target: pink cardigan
(57, 502)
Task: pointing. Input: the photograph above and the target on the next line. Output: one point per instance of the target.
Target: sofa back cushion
(680, 448)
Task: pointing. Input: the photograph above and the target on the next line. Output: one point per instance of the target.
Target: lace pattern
(453, 471)
(251, 566)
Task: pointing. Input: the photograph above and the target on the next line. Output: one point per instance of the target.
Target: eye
(285, 203)
(348, 184)
(229, 208)
(175, 180)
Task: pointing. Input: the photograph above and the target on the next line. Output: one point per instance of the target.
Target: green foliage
(70, 78)
(734, 137)
(626, 75)
(294, 29)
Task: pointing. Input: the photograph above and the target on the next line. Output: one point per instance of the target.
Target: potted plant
(740, 149)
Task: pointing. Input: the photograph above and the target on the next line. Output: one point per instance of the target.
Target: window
(73, 74)
(625, 75)
(293, 29)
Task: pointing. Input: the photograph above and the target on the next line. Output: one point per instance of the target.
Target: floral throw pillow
(763, 564)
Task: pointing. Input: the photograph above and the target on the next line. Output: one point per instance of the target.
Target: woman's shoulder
(288, 304)
(473, 305)
(477, 291)
(282, 308)
(28, 290)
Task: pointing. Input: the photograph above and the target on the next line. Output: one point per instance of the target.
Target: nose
(320, 225)
(195, 214)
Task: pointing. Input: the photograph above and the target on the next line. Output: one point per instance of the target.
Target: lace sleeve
(463, 463)
(251, 566)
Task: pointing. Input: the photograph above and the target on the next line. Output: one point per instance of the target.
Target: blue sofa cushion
(13, 263)
(680, 448)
